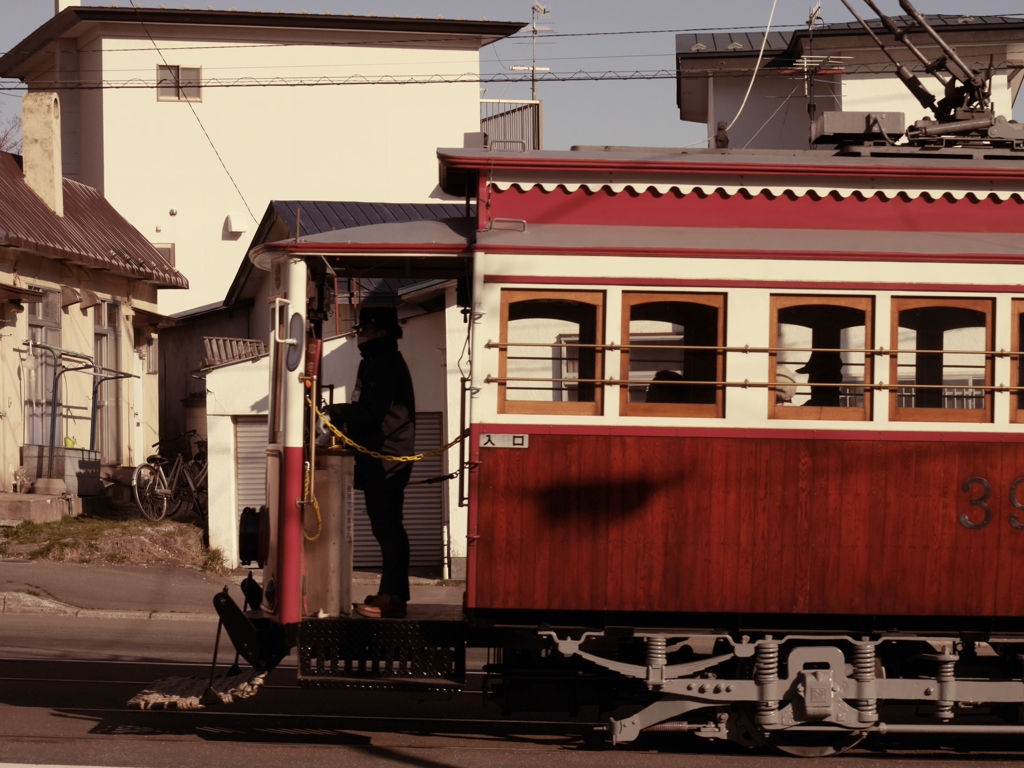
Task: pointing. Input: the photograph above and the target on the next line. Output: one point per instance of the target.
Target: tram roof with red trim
(818, 178)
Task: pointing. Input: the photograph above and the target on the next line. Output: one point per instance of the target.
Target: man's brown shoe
(384, 607)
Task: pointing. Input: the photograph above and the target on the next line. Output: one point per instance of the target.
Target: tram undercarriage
(802, 693)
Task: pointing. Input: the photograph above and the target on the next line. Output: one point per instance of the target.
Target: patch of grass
(214, 563)
(112, 538)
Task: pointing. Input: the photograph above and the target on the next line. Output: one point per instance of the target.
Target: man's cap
(822, 361)
(381, 317)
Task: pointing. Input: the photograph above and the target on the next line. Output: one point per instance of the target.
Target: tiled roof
(90, 233)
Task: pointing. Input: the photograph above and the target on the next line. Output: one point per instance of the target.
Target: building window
(166, 250)
(943, 360)
(44, 320)
(550, 359)
(178, 83)
(672, 362)
(153, 354)
(107, 333)
(818, 358)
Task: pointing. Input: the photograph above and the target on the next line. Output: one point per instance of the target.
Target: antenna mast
(543, 11)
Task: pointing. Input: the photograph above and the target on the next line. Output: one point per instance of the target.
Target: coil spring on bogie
(946, 674)
(864, 662)
(864, 672)
(657, 655)
(766, 670)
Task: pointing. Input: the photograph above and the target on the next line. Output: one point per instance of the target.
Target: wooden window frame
(963, 415)
(715, 410)
(596, 407)
(1016, 380)
(865, 304)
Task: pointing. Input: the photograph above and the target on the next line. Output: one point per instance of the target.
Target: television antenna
(536, 10)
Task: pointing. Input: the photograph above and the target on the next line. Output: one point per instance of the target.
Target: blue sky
(636, 112)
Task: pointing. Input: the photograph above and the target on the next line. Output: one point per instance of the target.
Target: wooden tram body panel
(754, 522)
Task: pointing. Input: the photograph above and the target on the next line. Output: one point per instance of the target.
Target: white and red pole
(286, 457)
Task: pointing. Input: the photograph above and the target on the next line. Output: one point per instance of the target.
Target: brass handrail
(747, 384)
(881, 351)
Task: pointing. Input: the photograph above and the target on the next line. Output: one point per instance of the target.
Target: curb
(22, 602)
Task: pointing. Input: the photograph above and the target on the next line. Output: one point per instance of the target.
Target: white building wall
(231, 391)
(362, 142)
(775, 115)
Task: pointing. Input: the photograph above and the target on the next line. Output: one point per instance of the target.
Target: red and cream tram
(746, 438)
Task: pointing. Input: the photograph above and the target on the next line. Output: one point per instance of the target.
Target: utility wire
(434, 79)
(198, 120)
(757, 66)
(411, 40)
(599, 57)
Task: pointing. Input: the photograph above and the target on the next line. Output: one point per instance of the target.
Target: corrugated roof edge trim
(886, 193)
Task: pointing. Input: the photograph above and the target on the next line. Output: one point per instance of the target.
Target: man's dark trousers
(385, 497)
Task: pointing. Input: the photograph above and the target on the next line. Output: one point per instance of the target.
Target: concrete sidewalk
(150, 592)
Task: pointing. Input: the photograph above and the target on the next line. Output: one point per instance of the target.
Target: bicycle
(158, 492)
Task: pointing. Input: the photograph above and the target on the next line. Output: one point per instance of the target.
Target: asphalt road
(64, 682)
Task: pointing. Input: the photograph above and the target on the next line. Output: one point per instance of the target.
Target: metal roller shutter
(422, 512)
(251, 461)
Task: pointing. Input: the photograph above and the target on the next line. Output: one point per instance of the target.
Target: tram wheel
(812, 743)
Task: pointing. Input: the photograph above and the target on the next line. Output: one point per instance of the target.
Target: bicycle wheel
(145, 486)
(201, 503)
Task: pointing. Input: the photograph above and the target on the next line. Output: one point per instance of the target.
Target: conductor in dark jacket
(382, 417)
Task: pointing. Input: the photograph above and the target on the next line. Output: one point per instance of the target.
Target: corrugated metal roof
(320, 216)
(688, 45)
(90, 233)
(444, 231)
(934, 19)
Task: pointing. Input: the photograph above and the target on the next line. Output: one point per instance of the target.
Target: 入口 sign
(488, 440)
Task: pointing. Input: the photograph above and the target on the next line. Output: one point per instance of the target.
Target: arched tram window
(942, 369)
(821, 356)
(550, 355)
(672, 362)
(818, 357)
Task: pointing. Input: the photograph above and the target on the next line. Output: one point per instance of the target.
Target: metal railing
(512, 124)
(959, 395)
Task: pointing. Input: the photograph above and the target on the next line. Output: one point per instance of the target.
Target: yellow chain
(353, 444)
(316, 508)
